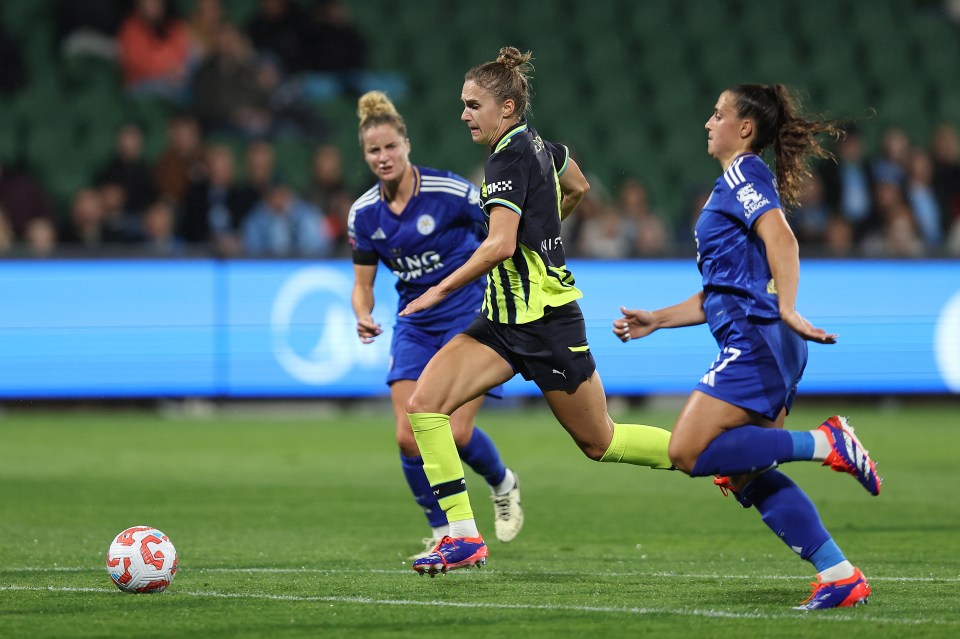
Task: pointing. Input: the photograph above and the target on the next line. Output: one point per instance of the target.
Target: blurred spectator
(155, 51)
(89, 27)
(6, 233)
(84, 227)
(260, 164)
(119, 223)
(214, 208)
(333, 51)
(129, 169)
(901, 238)
(327, 190)
(897, 234)
(809, 219)
(158, 236)
(181, 162)
(695, 199)
(13, 73)
(41, 237)
(205, 22)
(894, 161)
(922, 198)
(945, 152)
(571, 230)
(228, 97)
(603, 235)
(276, 29)
(331, 41)
(838, 237)
(283, 225)
(642, 226)
(848, 183)
(22, 197)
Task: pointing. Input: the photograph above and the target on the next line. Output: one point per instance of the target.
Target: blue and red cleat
(848, 455)
(843, 593)
(452, 553)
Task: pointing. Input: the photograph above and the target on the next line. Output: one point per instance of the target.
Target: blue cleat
(848, 455)
(452, 553)
(843, 593)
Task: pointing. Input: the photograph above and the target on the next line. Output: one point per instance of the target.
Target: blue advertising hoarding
(121, 328)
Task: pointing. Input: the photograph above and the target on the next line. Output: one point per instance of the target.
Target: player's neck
(398, 193)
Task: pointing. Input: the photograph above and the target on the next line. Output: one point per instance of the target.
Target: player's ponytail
(507, 78)
(374, 108)
(778, 120)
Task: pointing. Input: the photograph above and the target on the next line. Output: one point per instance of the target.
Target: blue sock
(482, 456)
(422, 491)
(750, 448)
(827, 556)
(791, 515)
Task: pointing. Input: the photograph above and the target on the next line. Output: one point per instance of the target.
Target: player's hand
(431, 297)
(367, 329)
(805, 329)
(633, 325)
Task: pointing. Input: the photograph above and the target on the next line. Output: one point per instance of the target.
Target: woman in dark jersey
(530, 323)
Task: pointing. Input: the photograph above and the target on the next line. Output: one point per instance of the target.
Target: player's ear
(746, 129)
(508, 108)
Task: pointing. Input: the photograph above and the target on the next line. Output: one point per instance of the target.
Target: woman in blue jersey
(732, 424)
(422, 224)
(530, 324)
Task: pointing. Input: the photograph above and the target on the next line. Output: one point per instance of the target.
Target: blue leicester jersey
(730, 255)
(440, 228)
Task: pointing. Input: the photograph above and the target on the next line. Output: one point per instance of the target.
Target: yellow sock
(441, 463)
(639, 445)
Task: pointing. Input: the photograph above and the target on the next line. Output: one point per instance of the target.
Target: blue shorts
(760, 363)
(413, 346)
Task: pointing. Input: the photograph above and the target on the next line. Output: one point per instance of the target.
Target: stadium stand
(625, 84)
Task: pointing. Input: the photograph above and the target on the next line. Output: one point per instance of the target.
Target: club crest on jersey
(751, 200)
(426, 224)
(473, 196)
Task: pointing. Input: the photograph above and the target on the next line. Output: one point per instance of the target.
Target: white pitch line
(405, 571)
(680, 612)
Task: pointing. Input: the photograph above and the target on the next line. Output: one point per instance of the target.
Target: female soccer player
(731, 425)
(422, 224)
(531, 322)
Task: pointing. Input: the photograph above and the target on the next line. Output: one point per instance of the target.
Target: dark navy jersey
(522, 174)
(730, 255)
(440, 228)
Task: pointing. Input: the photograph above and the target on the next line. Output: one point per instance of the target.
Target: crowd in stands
(256, 82)
(903, 202)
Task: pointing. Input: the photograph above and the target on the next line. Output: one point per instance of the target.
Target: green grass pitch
(290, 527)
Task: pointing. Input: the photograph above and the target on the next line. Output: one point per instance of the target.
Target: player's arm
(500, 243)
(639, 323)
(362, 300)
(783, 256)
(573, 187)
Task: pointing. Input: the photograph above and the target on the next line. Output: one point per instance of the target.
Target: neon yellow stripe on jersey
(547, 286)
(510, 205)
(506, 140)
(579, 349)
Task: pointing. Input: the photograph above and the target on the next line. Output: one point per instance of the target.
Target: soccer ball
(142, 559)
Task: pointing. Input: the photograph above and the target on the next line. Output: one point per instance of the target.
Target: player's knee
(593, 451)
(418, 403)
(406, 441)
(681, 457)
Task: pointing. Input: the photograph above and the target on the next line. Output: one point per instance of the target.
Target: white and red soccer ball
(142, 559)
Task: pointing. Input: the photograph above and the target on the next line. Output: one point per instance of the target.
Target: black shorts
(552, 351)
